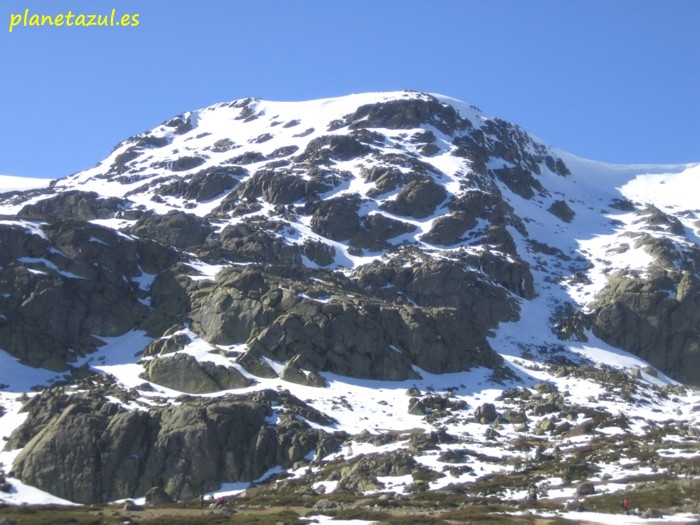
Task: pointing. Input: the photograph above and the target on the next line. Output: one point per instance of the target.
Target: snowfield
(13, 183)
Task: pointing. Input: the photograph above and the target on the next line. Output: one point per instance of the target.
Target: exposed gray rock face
(167, 345)
(561, 210)
(661, 221)
(240, 302)
(75, 204)
(522, 156)
(361, 337)
(656, 318)
(342, 339)
(203, 186)
(453, 284)
(68, 282)
(280, 186)
(184, 373)
(333, 147)
(464, 214)
(253, 242)
(319, 252)
(418, 199)
(184, 163)
(486, 413)
(376, 230)
(169, 303)
(385, 179)
(361, 474)
(656, 314)
(292, 373)
(407, 114)
(176, 228)
(89, 450)
(337, 218)
(369, 341)
(519, 180)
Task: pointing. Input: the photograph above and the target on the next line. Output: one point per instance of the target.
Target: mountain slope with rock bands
(383, 238)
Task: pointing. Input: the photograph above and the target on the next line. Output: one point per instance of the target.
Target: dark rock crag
(86, 449)
(63, 283)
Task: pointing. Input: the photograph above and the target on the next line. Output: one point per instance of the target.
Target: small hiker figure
(201, 500)
(625, 504)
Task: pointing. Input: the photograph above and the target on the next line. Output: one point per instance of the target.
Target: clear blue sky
(612, 80)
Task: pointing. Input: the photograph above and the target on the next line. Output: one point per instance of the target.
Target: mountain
(251, 289)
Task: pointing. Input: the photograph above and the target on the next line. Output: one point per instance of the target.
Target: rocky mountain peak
(336, 184)
(386, 237)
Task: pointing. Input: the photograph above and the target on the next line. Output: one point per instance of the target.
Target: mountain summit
(353, 245)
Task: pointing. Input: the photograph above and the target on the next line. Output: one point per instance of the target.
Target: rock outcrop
(75, 204)
(86, 449)
(65, 282)
(176, 228)
(363, 336)
(656, 317)
(184, 373)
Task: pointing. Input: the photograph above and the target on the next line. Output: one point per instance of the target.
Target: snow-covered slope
(518, 293)
(12, 183)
